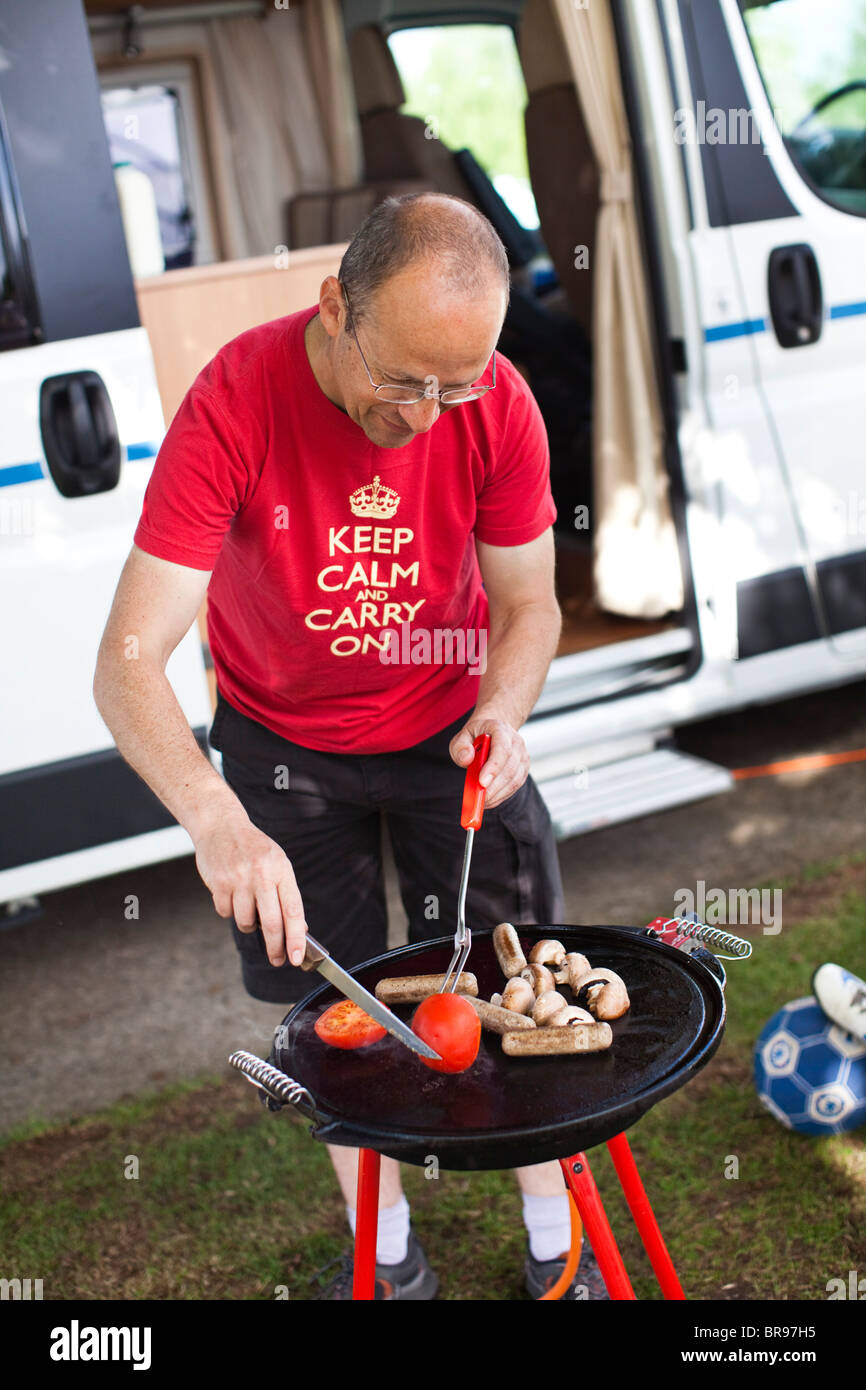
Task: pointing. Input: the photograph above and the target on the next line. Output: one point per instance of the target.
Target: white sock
(392, 1237)
(548, 1223)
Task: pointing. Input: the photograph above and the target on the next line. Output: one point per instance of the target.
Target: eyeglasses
(411, 395)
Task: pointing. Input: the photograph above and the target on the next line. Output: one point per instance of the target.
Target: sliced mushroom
(546, 1005)
(547, 953)
(519, 996)
(569, 1016)
(603, 992)
(572, 967)
(539, 977)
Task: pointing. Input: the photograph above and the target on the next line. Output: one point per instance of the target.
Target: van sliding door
(806, 59)
(783, 274)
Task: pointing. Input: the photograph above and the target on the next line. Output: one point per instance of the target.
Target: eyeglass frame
(426, 394)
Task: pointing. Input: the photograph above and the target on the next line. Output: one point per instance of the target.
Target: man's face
(415, 332)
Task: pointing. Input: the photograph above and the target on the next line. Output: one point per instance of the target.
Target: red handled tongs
(470, 819)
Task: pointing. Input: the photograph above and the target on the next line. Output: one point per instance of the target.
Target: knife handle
(314, 954)
(473, 792)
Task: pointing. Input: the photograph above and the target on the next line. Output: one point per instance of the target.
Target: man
(303, 485)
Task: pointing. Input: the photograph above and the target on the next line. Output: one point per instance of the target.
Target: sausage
(552, 1042)
(411, 989)
(509, 951)
(499, 1020)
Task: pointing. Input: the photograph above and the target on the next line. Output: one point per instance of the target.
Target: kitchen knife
(317, 958)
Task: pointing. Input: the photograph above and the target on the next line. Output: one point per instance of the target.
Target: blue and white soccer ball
(809, 1072)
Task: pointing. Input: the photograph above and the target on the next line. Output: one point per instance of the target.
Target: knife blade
(317, 958)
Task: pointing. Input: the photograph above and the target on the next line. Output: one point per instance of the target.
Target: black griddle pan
(506, 1112)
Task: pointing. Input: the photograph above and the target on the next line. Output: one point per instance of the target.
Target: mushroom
(496, 999)
(539, 978)
(547, 953)
(571, 968)
(602, 992)
(518, 995)
(568, 1016)
(546, 1005)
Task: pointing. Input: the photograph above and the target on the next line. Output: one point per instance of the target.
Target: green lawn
(232, 1201)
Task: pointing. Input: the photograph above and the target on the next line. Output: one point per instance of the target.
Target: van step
(583, 677)
(589, 798)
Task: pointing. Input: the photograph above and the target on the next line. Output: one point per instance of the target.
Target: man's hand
(507, 766)
(252, 879)
(524, 629)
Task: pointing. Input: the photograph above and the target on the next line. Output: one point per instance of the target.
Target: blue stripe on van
(748, 326)
(20, 473)
(32, 472)
(848, 311)
(735, 330)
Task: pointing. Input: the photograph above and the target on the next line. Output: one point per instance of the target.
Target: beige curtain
(328, 55)
(637, 569)
(289, 131)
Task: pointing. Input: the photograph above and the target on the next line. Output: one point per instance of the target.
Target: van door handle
(796, 296)
(79, 433)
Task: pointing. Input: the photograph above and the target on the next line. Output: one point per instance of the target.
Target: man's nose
(421, 416)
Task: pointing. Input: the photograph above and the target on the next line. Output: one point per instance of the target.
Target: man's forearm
(151, 731)
(520, 649)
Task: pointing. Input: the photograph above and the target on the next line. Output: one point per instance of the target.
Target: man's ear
(332, 306)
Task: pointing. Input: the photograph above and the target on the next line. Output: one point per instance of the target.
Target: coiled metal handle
(709, 936)
(275, 1084)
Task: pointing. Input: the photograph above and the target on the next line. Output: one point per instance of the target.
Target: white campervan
(681, 188)
(80, 424)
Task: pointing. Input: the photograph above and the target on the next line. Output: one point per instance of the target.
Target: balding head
(420, 301)
(429, 230)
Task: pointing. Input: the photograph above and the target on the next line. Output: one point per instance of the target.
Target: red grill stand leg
(366, 1225)
(582, 1186)
(644, 1218)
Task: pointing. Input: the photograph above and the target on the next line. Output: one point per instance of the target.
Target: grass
(232, 1202)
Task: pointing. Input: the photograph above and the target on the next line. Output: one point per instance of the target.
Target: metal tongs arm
(470, 819)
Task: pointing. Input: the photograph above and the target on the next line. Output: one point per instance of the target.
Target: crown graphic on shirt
(374, 499)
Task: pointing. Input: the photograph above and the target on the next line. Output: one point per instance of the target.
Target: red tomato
(346, 1025)
(450, 1025)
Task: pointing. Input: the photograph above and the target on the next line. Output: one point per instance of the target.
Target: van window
(465, 82)
(143, 125)
(812, 56)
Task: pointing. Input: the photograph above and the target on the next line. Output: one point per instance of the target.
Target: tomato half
(450, 1025)
(346, 1025)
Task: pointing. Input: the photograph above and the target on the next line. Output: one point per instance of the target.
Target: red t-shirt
(320, 541)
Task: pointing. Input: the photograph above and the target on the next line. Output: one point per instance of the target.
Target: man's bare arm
(525, 623)
(248, 874)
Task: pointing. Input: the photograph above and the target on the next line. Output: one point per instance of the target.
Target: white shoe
(842, 996)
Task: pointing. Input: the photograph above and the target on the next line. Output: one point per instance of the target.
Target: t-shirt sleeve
(199, 482)
(515, 504)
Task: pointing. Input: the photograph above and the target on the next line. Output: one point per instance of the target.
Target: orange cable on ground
(806, 764)
(573, 1260)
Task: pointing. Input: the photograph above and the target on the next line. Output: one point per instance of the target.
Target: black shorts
(324, 810)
